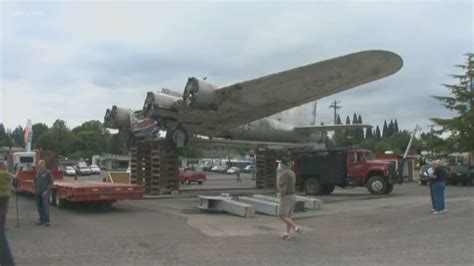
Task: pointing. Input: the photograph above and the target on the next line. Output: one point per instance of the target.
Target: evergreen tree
(368, 133)
(461, 127)
(391, 129)
(385, 130)
(360, 131)
(395, 126)
(377, 133)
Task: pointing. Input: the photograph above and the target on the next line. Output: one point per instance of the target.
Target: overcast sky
(74, 60)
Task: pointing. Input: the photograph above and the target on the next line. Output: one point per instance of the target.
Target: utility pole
(314, 113)
(335, 106)
(432, 140)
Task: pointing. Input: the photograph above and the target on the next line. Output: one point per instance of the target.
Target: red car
(189, 177)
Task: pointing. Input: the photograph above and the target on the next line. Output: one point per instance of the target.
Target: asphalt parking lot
(353, 228)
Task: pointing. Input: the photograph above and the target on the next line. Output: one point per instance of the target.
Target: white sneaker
(297, 231)
(436, 212)
(443, 211)
(285, 236)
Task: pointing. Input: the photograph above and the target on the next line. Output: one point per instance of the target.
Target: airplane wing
(209, 110)
(313, 129)
(219, 142)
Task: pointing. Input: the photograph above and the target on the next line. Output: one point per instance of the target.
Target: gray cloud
(125, 49)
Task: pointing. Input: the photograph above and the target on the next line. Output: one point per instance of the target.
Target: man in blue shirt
(43, 183)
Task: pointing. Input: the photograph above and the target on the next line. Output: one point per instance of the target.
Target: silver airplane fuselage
(270, 130)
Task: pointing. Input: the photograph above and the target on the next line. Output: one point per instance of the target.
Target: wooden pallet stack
(155, 166)
(164, 169)
(266, 169)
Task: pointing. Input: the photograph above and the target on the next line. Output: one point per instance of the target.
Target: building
(111, 161)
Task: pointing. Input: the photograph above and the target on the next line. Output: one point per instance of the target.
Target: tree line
(90, 138)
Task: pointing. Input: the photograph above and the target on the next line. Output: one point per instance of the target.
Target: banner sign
(142, 126)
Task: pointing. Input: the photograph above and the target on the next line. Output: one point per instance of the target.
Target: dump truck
(319, 172)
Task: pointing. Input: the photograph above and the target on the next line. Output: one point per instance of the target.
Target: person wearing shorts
(288, 200)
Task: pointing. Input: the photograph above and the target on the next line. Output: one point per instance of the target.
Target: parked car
(249, 169)
(83, 170)
(94, 169)
(219, 168)
(189, 177)
(206, 167)
(69, 171)
(233, 170)
(459, 174)
(424, 179)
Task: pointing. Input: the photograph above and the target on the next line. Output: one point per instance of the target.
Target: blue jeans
(42, 205)
(438, 195)
(6, 257)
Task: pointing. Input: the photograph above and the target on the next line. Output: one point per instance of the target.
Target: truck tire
(327, 189)
(312, 186)
(200, 182)
(389, 189)
(376, 185)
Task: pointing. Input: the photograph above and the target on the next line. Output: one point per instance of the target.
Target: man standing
(5, 187)
(6, 257)
(439, 184)
(43, 183)
(288, 199)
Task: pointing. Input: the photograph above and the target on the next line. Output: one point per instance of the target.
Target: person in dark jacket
(439, 183)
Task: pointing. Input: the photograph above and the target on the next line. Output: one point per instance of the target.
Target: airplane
(240, 111)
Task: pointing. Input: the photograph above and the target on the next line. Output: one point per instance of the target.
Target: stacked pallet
(266, 169)
(155, 166)
(164, 168)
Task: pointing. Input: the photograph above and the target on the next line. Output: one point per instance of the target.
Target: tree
(385, 130)
(391, 129)
(5, 139)
(377, 133)
(460, 127)
(38, 130)
(18, 137)
(368, 133)
(395, 126)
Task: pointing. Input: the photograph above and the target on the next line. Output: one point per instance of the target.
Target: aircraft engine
(118, 117)
(160, 105)
(201, 94)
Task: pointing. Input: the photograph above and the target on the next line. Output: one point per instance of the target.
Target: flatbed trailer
(64, 192)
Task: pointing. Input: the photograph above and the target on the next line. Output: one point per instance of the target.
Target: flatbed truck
(65, 192)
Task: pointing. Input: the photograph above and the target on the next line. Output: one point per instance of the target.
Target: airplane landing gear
(177, 138)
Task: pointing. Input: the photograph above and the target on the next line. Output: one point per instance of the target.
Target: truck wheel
(389, 189)
(376, 185)
(327, 189)
(423, 183)
(200, 182)
(312, 186)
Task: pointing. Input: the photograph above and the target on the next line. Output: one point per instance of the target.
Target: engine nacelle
(118, 117)
(201, 94)
(160, 105)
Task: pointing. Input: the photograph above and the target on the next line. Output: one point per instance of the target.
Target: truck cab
(26, 160)
(319, 172)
